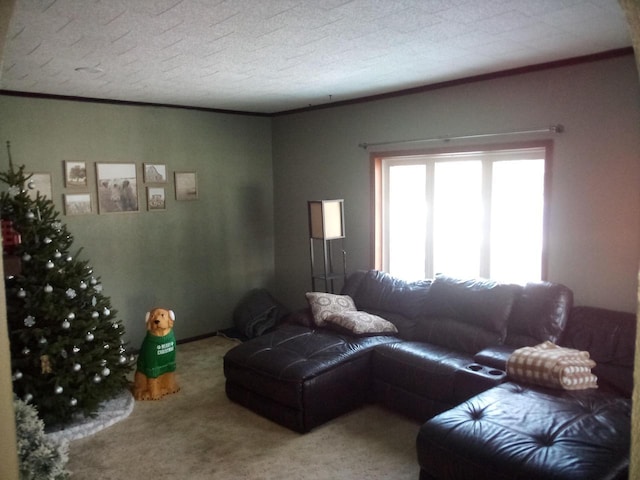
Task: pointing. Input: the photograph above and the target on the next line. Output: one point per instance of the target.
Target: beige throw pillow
(362, 323)
(324, 305)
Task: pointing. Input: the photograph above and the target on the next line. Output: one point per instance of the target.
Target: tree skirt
(109, 413)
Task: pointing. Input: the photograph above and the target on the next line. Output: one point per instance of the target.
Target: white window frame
(487, 155)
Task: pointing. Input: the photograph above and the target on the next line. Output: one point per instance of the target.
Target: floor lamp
(326, 224)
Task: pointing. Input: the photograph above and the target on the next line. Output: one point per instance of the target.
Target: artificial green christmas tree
(67, 349)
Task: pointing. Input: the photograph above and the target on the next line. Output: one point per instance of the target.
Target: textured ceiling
(270, 56)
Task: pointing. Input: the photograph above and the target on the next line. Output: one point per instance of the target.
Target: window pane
(407, 221)
(517, 200)
(465, 214)
(457, 218)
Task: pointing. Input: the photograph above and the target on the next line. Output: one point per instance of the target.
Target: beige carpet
(199, 434)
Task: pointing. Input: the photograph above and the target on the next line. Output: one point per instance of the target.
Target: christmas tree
(67, 349)
(40, 457)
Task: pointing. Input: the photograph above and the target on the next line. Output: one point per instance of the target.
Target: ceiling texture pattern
(268, 56)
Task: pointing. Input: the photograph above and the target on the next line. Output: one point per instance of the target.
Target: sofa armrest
(495, 357)
(474, 379)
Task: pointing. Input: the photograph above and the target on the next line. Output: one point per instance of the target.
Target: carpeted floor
(199, 434)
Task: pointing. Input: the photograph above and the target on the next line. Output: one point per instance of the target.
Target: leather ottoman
(299, 377)
(529, 433)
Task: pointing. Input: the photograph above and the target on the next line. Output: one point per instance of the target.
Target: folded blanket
(549, 365)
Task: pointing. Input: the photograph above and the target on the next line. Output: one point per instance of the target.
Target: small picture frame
(75, 174)
(77, 203)
(117, 185)
(156, 199)
(155, 173)
(39, 183)
(186, 185)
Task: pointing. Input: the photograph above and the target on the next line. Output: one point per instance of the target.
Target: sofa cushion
(353, 282)
(480, 302)
(360, 323)
(539, 314)
(429, 371)
(454, 335)
(466, 315)
(325, 304)
(381, 292)
(406, 326)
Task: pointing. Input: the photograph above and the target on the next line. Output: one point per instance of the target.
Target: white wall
(594, 228)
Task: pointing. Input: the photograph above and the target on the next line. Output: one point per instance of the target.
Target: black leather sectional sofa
(446, 366)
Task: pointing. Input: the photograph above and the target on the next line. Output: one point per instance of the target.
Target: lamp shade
(326, 219)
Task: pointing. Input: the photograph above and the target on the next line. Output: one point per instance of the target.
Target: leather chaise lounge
(447, 358)
(301, 377)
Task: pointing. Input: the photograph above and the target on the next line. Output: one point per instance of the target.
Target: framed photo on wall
(75, 174)
(77, 203)
(156, 199)
(39, 183)
(155, 173)
(117, 187)
(186, 186)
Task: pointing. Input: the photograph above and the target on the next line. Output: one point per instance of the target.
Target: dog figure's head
(160, 321)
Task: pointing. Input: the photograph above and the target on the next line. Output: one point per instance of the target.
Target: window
(465, 214)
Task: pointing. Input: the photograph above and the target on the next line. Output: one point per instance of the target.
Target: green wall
(249, 226)
(196, 257)
(594, 223)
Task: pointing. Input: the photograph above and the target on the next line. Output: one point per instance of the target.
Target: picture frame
(39, 183)
(186, 185)
(77, 203)
(75, 173)
(117, 185)
(154, 173)
(156, 199)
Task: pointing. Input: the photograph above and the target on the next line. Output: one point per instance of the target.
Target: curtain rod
(557, 128)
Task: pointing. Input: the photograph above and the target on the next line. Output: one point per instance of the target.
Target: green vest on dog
(157, 355)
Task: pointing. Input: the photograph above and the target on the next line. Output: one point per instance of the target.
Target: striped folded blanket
(549, 365)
